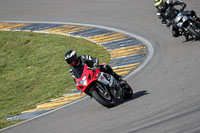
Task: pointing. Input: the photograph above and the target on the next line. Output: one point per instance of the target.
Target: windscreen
(78, 71)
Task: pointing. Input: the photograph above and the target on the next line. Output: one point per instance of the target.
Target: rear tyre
(128, 91)
(99, 97)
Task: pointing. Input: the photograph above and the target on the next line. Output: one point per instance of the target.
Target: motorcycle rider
(167, 18)
(76, 62)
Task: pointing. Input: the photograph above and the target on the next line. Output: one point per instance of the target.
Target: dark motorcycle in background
(103, 87)
(187, 25)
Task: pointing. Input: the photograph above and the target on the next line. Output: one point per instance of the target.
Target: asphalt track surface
(167, 89)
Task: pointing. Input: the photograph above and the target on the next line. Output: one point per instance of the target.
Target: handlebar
(90, 68)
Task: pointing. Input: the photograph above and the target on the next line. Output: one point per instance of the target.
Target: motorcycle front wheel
(103, 98)
(193, 30)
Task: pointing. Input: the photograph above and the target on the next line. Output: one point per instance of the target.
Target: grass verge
(33, 69)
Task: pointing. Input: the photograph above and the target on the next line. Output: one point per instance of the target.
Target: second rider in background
(167, 17)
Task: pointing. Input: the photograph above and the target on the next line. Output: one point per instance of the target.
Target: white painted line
(44, 114)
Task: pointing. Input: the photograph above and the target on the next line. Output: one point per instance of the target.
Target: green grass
(33, 69)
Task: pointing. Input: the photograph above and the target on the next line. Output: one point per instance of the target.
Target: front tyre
(193, 30)
(103, 100)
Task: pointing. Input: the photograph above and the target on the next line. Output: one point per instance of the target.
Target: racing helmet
(157, 2)
(71, 57)
(160, 4)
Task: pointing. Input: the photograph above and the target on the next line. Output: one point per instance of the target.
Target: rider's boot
(119, 78)
(196, 18)
(109, 70)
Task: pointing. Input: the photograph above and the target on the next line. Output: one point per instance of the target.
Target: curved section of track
(129, 53)
(171, 78)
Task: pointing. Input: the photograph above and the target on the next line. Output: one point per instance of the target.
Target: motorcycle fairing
(88, 76)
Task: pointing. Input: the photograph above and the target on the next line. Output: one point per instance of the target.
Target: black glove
(95, 66)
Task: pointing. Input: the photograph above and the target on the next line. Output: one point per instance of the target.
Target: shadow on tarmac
(135, 96)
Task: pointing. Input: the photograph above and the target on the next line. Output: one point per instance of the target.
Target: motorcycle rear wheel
(103, 100)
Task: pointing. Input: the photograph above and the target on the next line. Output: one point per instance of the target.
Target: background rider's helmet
(71, 57)
(160, 4)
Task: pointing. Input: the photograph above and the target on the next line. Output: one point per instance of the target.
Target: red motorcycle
(103, 87)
